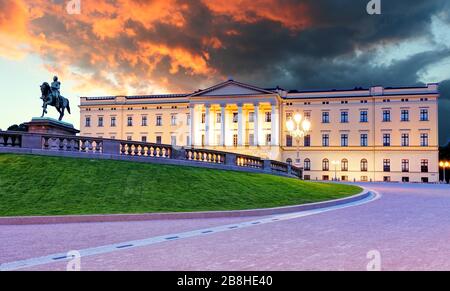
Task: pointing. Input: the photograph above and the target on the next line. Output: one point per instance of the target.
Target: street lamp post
(335, 163)
(298, 128)
(444, 165)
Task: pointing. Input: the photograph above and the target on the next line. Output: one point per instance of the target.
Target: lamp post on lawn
(298, 128)
(335, 163)
(444, 165)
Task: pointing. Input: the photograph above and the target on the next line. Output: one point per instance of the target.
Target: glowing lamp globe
(290, 125)
(297, 117)
(306, 125)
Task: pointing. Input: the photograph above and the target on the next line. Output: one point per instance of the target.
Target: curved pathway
(409, 227)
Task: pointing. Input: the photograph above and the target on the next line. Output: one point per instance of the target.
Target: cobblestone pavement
(409, 227)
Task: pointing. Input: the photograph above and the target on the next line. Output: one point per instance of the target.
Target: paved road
(409, 226)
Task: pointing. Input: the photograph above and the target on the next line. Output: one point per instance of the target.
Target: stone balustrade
(151, 150)
(296, 171)
(203, 155)
(249, 161)
(72, 144)
(83, 146)
(279, 166)
(10, 139)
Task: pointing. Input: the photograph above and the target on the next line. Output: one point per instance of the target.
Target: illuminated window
(144, 121)
(364, 165)
(423, 114)
(344, 165)
(307, 165)
(404, 116)
(405, 165)
(424, 139)
(364, 139)
(325, 165)
(344, 117)
(424, 166)
(405, 140)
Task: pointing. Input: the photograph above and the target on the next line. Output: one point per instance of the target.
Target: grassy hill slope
(38, 185)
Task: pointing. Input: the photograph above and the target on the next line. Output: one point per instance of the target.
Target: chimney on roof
(376, 90)
(230, 78)
(433, 86)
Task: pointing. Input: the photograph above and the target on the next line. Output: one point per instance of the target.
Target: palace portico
(234, 124)
(236, 118)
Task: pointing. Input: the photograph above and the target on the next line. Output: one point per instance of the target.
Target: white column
(256, 125)
(192, 123)
(207, 124)
(222, 124)
(240, 126)
(274, 125)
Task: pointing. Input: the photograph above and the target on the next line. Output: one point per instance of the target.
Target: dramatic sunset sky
(160, 46)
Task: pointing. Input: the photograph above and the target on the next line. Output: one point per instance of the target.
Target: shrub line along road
(409, 226)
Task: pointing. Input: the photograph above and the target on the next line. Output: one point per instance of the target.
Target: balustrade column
(240, 125)
(275, 120)
(192, 123)
(256, 125)
(222, 124)
(207, 124)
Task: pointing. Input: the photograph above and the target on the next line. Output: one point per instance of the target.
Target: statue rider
(56, 85)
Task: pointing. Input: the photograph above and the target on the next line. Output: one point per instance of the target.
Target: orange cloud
(13, 30)
(294, 16)
(120, 44)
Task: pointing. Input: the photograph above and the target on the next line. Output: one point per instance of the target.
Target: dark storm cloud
(320, 56)
(444, 112)
(267, 45)
(180, 45)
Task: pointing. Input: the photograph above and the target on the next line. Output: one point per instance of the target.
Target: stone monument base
(50, 126)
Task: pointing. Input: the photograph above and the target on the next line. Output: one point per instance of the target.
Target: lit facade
(375, 134)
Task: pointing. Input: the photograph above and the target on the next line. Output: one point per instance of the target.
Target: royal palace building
(374, 134)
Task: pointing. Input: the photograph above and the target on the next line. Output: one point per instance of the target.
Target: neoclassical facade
(374, 134)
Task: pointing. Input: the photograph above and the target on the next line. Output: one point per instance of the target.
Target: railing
(9, 139)
(131, 148)
(279, 166)
(249, 161)
(109, 148)
(297, 172)
(203, 155)
(72, 144)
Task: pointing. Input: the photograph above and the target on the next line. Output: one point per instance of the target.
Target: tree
(21, 127)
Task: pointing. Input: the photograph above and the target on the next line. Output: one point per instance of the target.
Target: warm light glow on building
(374, 134)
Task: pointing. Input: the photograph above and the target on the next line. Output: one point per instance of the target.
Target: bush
(21, 127)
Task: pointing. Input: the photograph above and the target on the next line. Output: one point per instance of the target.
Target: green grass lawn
(38, 185)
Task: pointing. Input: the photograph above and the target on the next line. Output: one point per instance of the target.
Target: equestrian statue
(51, 96)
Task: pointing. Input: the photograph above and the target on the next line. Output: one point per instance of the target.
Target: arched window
(325, 165)
(344, 165)
(289, 161)
(307, 164)
(364, 165)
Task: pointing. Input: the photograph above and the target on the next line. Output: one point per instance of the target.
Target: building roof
(292, 94)
(138, 96)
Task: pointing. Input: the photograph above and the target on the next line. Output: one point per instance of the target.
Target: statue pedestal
(50, 126)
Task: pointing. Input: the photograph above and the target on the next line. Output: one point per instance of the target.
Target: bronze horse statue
(48, 99)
